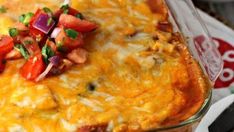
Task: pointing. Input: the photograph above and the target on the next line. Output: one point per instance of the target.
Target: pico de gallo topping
(50, 42)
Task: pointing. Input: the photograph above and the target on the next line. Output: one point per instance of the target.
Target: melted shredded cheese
(139, 82)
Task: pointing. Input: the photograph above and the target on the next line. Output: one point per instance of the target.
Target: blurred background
(223, 10)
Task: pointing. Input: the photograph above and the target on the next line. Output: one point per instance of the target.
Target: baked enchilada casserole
(94, 65)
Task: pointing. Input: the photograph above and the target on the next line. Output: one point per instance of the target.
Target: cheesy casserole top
(138, 76)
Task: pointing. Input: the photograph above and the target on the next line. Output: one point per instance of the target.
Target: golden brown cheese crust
(143, 74)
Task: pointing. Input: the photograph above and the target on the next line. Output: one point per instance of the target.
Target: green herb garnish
(65, 11)
(80, 16)
(49, 21)
(13, 32)
(22, 50)
(65, 8)
(25, 18)
(26, 42)
(60, 47)
(28, 17)
(3, 9)
(48, 11)
(71, 33)
(21, 18)
(47, 52)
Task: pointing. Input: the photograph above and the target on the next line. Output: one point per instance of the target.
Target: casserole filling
(138, 75)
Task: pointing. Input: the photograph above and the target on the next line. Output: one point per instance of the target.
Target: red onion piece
(43, 75)
(55, 60)
(55, 32)
(44, 23)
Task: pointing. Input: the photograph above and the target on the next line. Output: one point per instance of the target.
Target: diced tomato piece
(2, 64)
(69, 21)
(31, 45)
(6, 44)
(21, 27)
(13, 54)
(67, 43)
(52, 45)
(58, 13)
(37, 34)
(71, 11)
(33, 67)
(78, 55)
(22, 30)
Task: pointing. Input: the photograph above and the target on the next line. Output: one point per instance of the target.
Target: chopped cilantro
(28, 42)
(65, 11)
(71, 33)
(65, 8)
(25, 18)
(80, 16)
(60, 47)
(13, 32)
(47, 52)
(49, 21)
(22, 50)
(21, 18)
(28, 17)
(48, 11)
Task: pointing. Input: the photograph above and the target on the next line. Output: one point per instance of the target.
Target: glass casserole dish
(186, 20)
(118, 87)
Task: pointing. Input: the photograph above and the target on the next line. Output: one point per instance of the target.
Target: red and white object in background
(210, 59)
(226, 49)
(224, 38)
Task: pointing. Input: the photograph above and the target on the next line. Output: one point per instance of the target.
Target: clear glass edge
(196, 117)
(207, 102)
(179, 24)
(197, 15)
